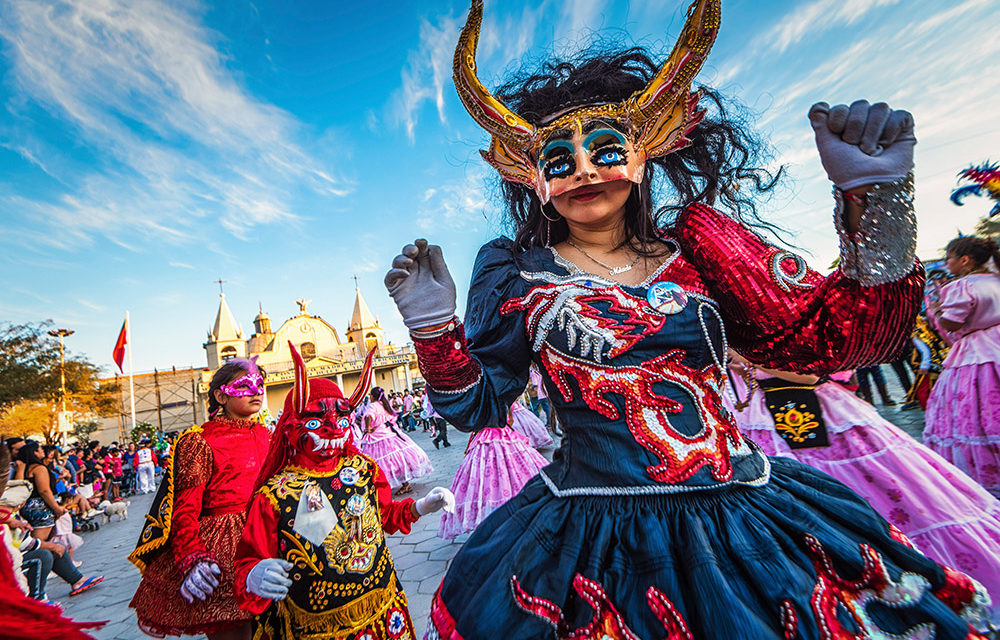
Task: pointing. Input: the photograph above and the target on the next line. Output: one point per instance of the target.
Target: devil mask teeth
(320, 444)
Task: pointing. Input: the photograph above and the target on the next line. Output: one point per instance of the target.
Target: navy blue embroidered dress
(657, 518)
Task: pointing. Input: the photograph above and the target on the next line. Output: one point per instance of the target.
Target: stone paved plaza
(421, 557)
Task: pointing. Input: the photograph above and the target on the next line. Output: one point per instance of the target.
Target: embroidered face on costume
(322, 430)
(586, 152)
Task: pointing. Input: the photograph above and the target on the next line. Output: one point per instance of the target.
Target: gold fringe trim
(144, 548)
(349, 618)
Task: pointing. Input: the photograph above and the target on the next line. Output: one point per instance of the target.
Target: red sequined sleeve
(259, 541)
(397, 516)
(194, 470)
(780, 314)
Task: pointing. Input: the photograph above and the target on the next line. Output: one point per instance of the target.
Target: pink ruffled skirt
(529, 425)
(400, 458)
(941, 509)
(497, 465)
(963, 412)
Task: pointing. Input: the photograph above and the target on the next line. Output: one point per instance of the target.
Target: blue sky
(149, 148)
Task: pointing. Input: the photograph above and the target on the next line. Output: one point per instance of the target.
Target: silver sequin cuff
(884, 248)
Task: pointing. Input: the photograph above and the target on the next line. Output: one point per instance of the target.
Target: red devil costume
(320, 512)
(197, 517)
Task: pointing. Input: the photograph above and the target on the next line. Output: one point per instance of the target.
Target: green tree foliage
(82, 430)
(28, 418)
(30, 380)
(143, 429)
(28, 359)
(989, 226)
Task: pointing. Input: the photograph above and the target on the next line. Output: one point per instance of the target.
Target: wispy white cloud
(173, 134)
(921, 60)
(93, 306)
(819, 16)
(427, 72)
(944, 17)
(181, 265)
(507, 37)
(32, 294)
(576, 18)
(457, 205)
(426, 77)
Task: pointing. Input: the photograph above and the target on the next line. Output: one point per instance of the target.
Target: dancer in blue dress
(657, 518)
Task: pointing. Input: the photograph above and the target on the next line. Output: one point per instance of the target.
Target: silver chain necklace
(611, 270)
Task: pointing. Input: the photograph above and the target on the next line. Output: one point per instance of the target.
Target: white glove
(421, 286)
(269, 578)
(201, 581)
(435, 499)
(863, 144)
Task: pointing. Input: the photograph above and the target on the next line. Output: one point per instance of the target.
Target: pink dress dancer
(528, 424)
(942, 510)
(963, 413)
(497, 464)
(399, 457)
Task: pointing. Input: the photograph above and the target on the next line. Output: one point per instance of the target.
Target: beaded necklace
(611, 270)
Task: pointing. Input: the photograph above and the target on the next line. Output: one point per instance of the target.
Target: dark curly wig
(722, 154)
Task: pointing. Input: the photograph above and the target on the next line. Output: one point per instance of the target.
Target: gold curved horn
(490, 113)
(673, 81)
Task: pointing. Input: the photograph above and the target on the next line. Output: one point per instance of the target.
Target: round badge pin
(349, 475)
(667, 297)
(356, 505)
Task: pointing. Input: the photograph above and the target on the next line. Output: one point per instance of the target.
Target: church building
(326, 355)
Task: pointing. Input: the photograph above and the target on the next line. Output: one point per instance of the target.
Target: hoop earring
(556, 219)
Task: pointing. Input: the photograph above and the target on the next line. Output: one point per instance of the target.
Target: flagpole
(131, 388)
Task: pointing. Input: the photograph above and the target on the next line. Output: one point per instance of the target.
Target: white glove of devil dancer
(200, 581)
(436, 499)
(863, 144)
(421, 286)
(269, 578)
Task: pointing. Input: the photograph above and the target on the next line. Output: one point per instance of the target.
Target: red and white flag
(118, 354)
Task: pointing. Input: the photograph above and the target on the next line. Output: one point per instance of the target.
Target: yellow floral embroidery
(797, 424)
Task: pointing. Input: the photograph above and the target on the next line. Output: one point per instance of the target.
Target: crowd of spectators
(55, 493)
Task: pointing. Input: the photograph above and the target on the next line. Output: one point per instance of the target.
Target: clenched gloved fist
(421, 286)
(435, 499)
(269, 578)
(863, 144)
(201, 581)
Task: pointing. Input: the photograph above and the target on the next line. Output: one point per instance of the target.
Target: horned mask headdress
(292, 424)
(657, 118)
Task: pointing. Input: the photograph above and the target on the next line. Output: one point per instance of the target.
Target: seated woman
(41, 511)
(26, 616)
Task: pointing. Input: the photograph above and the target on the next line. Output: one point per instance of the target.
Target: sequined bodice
(637, 389)
(330, 529)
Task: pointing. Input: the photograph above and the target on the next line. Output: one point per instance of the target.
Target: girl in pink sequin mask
(237, 389)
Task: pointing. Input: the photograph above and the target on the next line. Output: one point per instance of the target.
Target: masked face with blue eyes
(589, 152)
(322, 430)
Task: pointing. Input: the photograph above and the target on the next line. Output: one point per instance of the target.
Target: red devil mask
(315, 422)
(318, 425)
